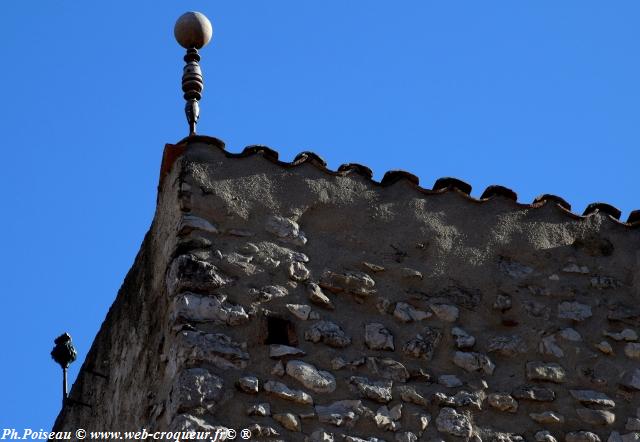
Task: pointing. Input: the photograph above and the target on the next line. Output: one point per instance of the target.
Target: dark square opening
(280, 331)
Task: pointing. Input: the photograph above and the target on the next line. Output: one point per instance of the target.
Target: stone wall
(306, 304)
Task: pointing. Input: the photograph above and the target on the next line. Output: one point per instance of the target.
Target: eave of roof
(173, 151)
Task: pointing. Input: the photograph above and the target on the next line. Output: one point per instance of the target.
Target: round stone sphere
(193, 30)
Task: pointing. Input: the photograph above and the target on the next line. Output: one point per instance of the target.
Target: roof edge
(447, 184)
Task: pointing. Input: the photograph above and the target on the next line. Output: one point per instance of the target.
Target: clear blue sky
(541, 96)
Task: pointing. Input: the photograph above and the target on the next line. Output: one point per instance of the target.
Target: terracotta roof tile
(604, 208)
(357, 168)
(495, 190)
(393, 176)
(304, 157)
(448, 183)
(553, 198)
(634, 217)
(267, 152)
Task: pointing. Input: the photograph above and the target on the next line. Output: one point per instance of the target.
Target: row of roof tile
(393, 176)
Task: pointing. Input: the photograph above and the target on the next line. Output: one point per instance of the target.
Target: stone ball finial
(193, 30)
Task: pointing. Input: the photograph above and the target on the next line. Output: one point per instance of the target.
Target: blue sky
(540, 96)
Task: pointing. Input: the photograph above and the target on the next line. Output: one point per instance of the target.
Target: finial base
(192, 111)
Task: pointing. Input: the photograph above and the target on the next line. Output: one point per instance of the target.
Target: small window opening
(280, 331)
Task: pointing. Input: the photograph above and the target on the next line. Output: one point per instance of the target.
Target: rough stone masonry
(312, 305)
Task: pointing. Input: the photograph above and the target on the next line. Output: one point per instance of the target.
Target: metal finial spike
(192, 31)
(64, 353)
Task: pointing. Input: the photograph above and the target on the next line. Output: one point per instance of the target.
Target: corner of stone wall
(123, 359)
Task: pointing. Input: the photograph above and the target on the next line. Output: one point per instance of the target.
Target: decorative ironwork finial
(64, 353)
(192, 31)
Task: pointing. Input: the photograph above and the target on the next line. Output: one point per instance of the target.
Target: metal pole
(64, 386)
